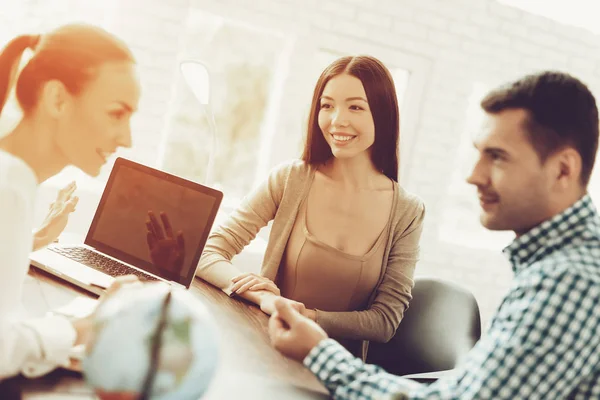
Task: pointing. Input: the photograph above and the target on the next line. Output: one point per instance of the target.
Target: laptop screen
(155, 221)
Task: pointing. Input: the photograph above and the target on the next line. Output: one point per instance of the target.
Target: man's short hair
(561, 111)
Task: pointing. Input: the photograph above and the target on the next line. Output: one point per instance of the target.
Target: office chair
(10, 389)
(441, 325)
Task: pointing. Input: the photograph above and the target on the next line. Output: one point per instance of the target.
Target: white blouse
(34, 346)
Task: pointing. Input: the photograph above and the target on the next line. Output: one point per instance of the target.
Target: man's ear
(54, 97)
(567, 167)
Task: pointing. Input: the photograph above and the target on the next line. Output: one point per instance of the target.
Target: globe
(119, 354)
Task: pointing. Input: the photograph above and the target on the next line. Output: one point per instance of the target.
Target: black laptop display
(153, 220)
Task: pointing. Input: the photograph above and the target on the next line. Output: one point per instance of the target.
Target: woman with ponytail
(77, 93)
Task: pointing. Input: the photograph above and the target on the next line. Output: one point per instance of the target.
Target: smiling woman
(345, 235)
(367, 102)
(80, 127)
(77, 93)
(340, 117)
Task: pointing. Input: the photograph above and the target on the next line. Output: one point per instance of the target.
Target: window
(246, 69)
(459, 221)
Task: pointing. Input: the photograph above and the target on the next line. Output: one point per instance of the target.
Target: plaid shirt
(543, 342)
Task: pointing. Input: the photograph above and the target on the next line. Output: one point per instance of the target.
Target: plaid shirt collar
(551, 234)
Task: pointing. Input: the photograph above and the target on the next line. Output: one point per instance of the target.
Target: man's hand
(57, 217)
(293, 334)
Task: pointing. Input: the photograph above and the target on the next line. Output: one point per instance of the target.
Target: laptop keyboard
(99, 262)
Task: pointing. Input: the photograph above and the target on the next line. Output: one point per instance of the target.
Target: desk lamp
(197, 77)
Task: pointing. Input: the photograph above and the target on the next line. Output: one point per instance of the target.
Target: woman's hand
(57, 218)
(267, 303)
(253, 282)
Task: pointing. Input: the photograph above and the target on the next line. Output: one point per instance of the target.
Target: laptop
(148, 223)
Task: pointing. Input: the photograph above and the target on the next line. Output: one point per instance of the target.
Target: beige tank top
(326, 278)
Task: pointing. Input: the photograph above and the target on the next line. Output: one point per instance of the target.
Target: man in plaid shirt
(535, 160)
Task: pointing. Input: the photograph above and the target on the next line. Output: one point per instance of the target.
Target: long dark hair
(381, 94)
(69, 54)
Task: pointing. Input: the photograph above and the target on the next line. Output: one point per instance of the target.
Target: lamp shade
(196, 76)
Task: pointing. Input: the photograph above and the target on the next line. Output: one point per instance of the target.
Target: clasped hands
(250, 282)
(292, 327)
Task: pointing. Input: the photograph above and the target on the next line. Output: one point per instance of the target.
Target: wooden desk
(249, 367)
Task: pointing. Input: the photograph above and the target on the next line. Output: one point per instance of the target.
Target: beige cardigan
(279, 199)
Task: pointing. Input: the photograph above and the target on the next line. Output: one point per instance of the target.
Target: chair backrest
(440, 326)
